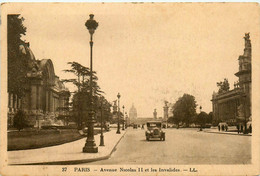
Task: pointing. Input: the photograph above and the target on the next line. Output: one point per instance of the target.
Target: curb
(76, 161)
(228, 133)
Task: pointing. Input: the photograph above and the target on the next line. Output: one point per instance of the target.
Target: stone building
(46, 98)
(132, 112)
(234, 106)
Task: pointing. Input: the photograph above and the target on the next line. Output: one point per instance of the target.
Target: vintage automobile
(154, 130)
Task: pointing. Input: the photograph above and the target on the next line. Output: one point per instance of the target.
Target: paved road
(182, 146)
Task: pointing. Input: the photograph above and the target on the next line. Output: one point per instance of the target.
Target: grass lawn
(31, 139)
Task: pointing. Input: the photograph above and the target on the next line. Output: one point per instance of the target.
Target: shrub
(20, 120)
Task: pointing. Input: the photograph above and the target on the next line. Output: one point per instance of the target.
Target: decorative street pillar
(90, 145)
(123, 127)
(166, 108)
(118, 113)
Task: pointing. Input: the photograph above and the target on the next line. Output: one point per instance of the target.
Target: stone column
(40, 97)
(33, 97)
(11, 102)
(14, 100)
(37, 97)
(51, 102)
(54, 102)
(17, 106)
(47, 101)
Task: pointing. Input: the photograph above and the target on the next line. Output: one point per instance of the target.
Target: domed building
(133, 112)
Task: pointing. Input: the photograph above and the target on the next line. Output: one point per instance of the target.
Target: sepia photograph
(130, 88)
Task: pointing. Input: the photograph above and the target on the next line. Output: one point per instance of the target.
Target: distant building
(132, 113)
(47, 96)
(234, 106)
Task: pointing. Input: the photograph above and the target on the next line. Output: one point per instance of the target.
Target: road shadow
(154, 140)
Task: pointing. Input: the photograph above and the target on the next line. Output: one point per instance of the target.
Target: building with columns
(46, 97)
(234, 106)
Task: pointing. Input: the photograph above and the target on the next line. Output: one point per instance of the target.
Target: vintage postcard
(130, 89)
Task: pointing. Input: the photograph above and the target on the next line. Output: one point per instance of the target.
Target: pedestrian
(222, 127)
(238, 131)
(242, 128)
(250, 128)
(218, 127)
(226, 127)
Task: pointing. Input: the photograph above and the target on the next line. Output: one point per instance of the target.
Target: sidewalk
(215, 130)
(69, 153)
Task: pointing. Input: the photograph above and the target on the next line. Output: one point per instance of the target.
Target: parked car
(154, 130)
(135, 126)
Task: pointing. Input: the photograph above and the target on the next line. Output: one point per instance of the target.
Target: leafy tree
(20, 120)
(105, 106)
(81, 98)
(210, 118)
(17, 61)
(202, 118)
(223, 86)
(184, 109)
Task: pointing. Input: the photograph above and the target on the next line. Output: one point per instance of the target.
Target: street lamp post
(123, 127)
(90, 145)
(167, 115)
(126, 122)
(118, 113)
(101, 114)
(201, 119)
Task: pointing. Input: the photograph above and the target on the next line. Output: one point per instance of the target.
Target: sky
(148, 52)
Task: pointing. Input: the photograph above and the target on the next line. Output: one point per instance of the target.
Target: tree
(20, 120)
(184, 109)
(17, 60)
(202, 117)
(105, 106)
(223, 86)
(210, 118)
(81, 98)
